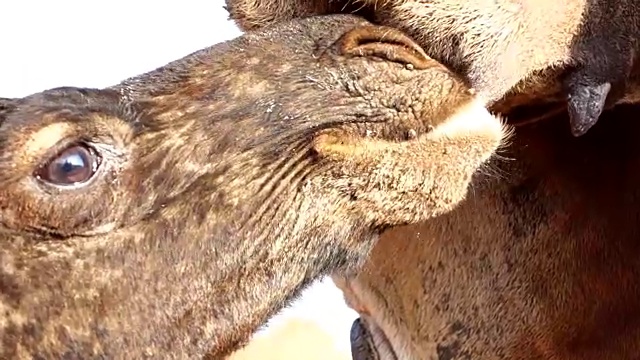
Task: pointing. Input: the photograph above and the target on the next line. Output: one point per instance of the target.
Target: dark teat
(603, 54)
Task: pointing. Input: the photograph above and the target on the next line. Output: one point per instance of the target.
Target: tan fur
(539, 262)
(503, 46)
(228, 181)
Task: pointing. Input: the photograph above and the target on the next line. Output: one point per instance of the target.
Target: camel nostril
(385, 43)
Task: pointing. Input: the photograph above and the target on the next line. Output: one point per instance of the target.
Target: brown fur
(229, 180)
(499, 44)
(539, 262)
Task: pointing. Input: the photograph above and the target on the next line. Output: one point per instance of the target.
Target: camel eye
(73, 166)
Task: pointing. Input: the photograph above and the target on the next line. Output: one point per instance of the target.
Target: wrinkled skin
(205, 195)
(574, 53)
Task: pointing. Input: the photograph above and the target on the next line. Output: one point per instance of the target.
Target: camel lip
(369, 341)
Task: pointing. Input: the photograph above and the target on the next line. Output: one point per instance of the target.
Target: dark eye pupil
(74, 165)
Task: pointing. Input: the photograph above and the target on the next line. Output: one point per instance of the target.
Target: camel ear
(6, 106)
(6, 103)
(386, 43)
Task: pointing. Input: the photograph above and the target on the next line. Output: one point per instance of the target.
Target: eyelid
(57, 149)
(48, 187)
(38, 144)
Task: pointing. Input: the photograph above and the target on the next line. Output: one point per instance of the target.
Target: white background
(46, 44)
